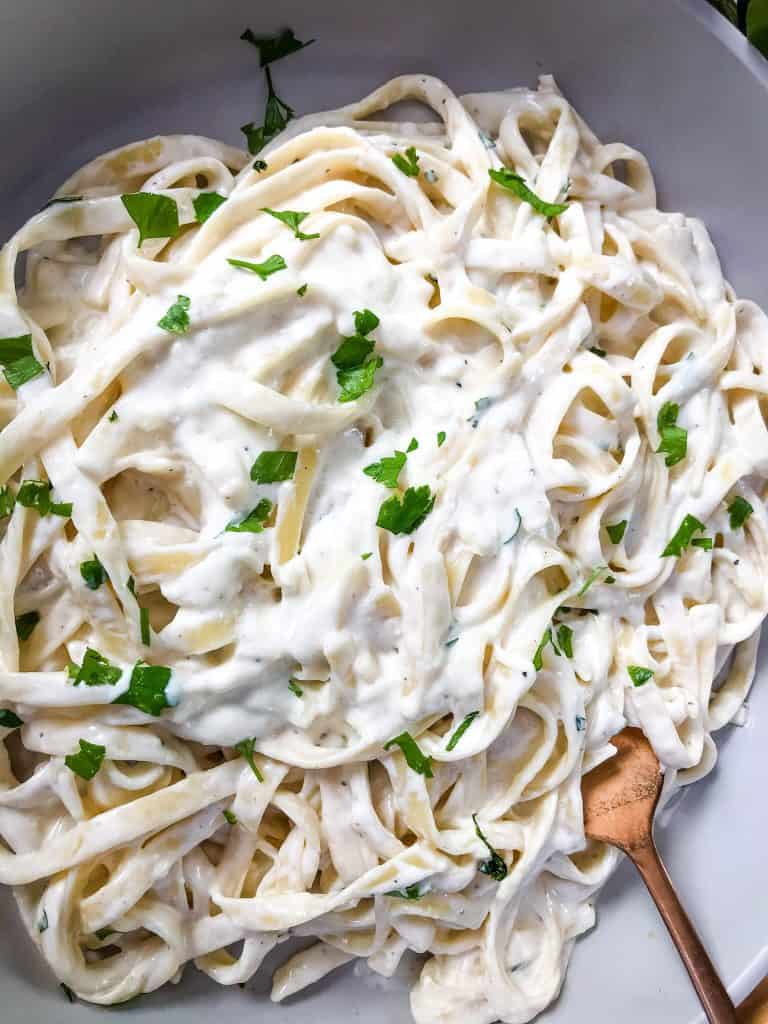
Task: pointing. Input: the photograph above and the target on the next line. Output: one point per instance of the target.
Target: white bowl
(670, 77)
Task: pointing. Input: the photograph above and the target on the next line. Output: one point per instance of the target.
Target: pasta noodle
(250, 691)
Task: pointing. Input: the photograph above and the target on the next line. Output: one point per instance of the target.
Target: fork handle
(711, 991)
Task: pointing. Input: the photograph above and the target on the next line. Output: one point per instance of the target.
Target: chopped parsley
(539, 652)
(87, 761)
(36, 494)
(674, 440)
(147, 689)
(259, 166)
(254, 521)
(245, 748)
(509, 180)
(95, 670)
(9, 720)
(598, 351)
(7, 501)
(440, 438)
(565, 640)
(408, 164)
(404, 515)
(616, 531)
(113, 417)
(206, 204)
(272, 48)
(292, 219)
(739, 512)
(25, 624)
(17, 359)
(301, 292)
(271, 265)
(273, 466)
(277, 114)
(355, 371)
(295, 689)
(494, 866)
(230, 816)
(459, 732)
(144, 625)
(387, 470)
(176, 320)
(639, 675)
(703, 542)
(154, 215)
(410, 892)
(93, 572)
(366, 555)
(683, 537)
(591, 579)
(412, 754)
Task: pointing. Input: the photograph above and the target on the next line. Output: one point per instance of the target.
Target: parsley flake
(176, 320)
(273, 466)
(407, 514)
(739, 512)
(509, 180)
(683, 537)
(254, 521)
(154, 215)
(565, 640)
(36, 494)
(277, 114)
(272, 48)
(93, 572)
(410, 892)
(462, 728)
(302, 291)
(292, 219)
(639, 675)
(366, 555)
(17, 359)
(411, 751)
(674, 439)
(206, 204)
(25, 624)
(147, 689)
(538, 659)
(113, 417)
(95, 670)
(494, 867)
(408, 164)
(87, 761)
(440, 438)
(355, 372)
(230, 816)
(387, 470)
(616, 531)
(9, 720)
(295, 689)
(246, 748)
(591, 579)
(259, 166)
(270, 266)
(7, 501)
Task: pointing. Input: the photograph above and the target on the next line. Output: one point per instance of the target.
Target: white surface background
(671, 77)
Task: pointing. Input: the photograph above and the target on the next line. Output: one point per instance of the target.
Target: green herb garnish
(355, 372)
(271, 265)
(683, 537)
(36, 494)
(154, 215)
(440, 438)
(674, 440)
(230, 816)
(591, 579)
(273, 466)
(93, 572)
(254, 521)
(408, 164)
(87, 761)
(147, 689)
(17, 358)
(639, 675)
(407, 514)
(494, 866)
(616, 531)
(459, 732)
(144, 625)
(25, 624)
(259, 166)
(9, 720)
(739, 512)
(598, 351)
(292, 219)
(113, 417)
(176, 320)
(7, 501)
(387, 470)
(539, 652)
(565, 640)
(95, 670)
(508, 179)
(412, 754)
(277, 114)
(301, 292)
(410, 892)
(206, 204)
(246, 748)
(295, 689)
(272, 48)
(366, 555)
